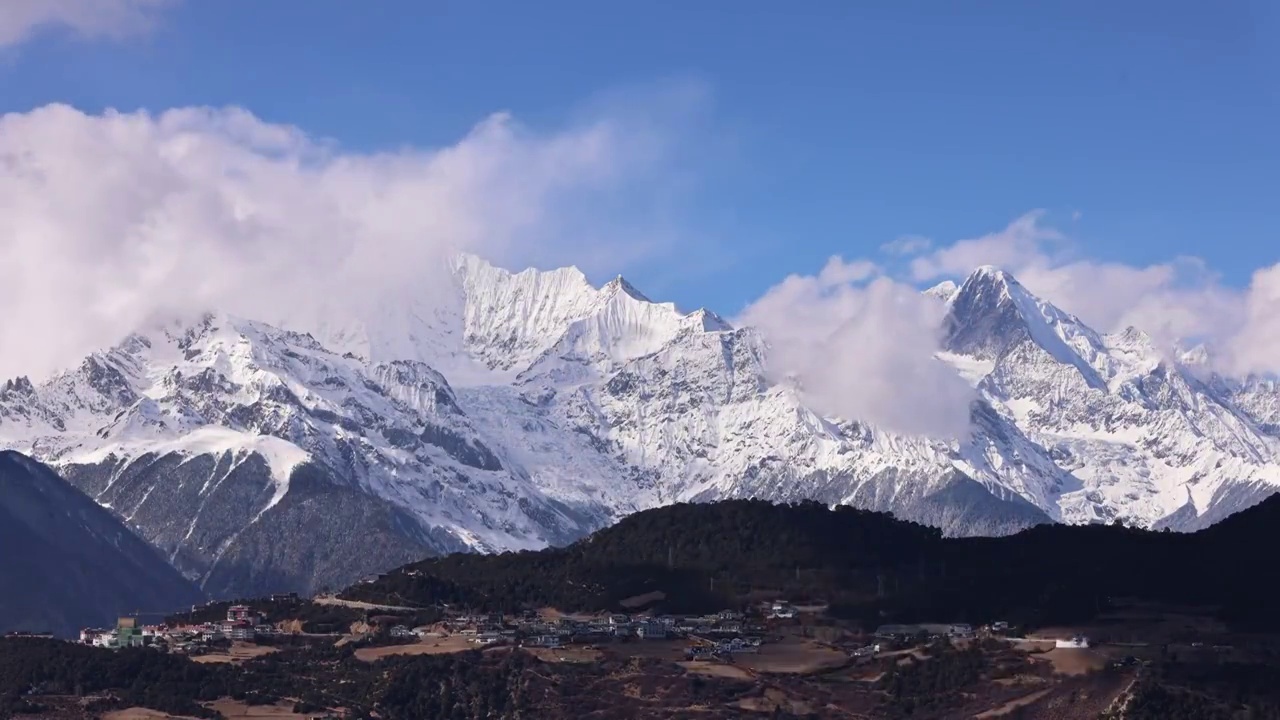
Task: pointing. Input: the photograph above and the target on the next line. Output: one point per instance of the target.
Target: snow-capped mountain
(515, 410)
(1136, 435)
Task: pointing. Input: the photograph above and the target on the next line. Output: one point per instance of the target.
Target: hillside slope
(707, 556)
(67, 563)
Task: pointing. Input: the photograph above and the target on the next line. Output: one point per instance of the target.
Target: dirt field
(228, 708)
(713, 668)
(233, 709)
(672, 650)
(1073, 661)
(792, 656)
(427, 646)
(141, 714)
(569, 654)
(239, 652)
(1033, 645)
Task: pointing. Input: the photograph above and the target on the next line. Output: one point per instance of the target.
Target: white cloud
(107, 220)
(111, 19)
(1255, 347)
(1025, 240)
(862, 347)
(1174, 301)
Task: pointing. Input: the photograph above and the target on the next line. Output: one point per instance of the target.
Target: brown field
(661, 649)
(427, 646)
(141, 714)
(792, 656)
(229, 709)
(1073, 661)
(232, 709)
(1034, 645)
(571, 654)
(239, 652)
(713, 668)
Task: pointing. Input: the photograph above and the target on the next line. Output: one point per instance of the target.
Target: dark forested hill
(703, 556)
(66, 563)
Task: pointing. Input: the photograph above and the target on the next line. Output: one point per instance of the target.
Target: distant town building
(650, 630)
(545, 641)
(242, 613)
(782, 609)
(1079, 641)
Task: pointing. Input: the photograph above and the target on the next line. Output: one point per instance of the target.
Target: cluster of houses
(530, 630)
(242, 623)
(955, 631)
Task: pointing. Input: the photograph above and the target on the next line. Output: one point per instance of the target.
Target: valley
(835, 619)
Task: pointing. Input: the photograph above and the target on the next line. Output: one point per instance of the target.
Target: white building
(1079, 641)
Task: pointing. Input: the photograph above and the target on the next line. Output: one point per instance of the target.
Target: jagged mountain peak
(988, 286)
(620, 284)
(944, 291)
(993, 314)
(991, 274)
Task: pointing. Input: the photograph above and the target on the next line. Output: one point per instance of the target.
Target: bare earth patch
(427, 646)
(793, 656)
(232, 709)
(1073, 661)
(715, 669)
(661, 649)
(566, 654)
(141, 714)
(239, 652)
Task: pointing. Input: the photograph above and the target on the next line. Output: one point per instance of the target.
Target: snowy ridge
(512, 410)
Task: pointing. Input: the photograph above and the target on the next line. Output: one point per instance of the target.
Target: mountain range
(520, 410)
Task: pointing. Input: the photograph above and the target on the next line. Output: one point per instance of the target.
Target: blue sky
(1146, 129)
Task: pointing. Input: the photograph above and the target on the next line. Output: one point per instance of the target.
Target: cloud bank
(861, 346)
(90, 19)
(860, 339)
(107, 220)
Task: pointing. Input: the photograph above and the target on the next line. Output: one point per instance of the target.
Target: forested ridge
(867, 565)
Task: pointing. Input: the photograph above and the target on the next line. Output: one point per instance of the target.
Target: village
(723, 632)
(777, 647)
(718, 636)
